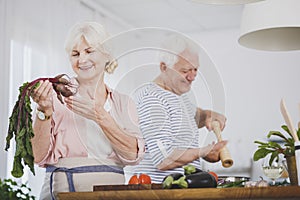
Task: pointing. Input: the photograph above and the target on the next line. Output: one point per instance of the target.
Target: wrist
(46, 111)
(205, 151)
(44, 114)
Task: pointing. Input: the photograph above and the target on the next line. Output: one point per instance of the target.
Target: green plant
(11, 190)
(20, 121)
(274, 148)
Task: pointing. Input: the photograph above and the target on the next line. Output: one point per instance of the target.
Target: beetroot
(20, 121)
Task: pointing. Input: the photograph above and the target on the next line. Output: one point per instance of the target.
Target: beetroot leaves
(20, 121)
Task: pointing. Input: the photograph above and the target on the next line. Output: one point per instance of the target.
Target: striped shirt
(167, 121)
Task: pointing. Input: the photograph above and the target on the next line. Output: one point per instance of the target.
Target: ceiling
(181, 15)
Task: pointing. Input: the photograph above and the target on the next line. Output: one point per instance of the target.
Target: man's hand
(214, 116)
(214, 154)
(206, 117)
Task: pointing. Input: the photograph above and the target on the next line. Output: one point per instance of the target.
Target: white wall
(254, 81)
(41, 26)
(4, 59)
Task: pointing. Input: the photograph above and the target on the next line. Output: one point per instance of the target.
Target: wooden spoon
(288, 120)
(299, 116)
(225, 156)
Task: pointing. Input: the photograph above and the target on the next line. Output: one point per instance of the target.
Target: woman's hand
(87, 108)
(42, 95)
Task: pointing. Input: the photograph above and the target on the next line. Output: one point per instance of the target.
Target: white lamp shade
(271, 25)
(225, 2)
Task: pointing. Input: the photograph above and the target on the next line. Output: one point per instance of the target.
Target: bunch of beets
(20, 121)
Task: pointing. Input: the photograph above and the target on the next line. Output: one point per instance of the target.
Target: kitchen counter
(283, 192)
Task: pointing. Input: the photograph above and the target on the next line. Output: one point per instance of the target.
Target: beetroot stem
(24, 93)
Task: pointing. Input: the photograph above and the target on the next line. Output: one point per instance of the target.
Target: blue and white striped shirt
(167, 121)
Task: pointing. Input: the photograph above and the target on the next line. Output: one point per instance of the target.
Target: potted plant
(11, 190)
(275, 149)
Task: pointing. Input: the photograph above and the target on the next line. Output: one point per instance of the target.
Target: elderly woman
(90, 138)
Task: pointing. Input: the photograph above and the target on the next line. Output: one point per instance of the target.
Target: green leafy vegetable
(275, 149)
(20, 125)
(20, 121)
(232, 184)
(11, 190)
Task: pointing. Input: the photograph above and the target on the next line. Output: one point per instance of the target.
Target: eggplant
(196, 180)
(191, 169)
(201, 180)
(175, 176)
(168, 180)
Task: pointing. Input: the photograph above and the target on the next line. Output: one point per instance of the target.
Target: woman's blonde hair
(95, 35)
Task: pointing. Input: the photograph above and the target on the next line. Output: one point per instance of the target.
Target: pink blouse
(69, 132)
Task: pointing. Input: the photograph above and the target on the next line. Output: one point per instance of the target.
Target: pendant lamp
(226, 2)
(271, 25)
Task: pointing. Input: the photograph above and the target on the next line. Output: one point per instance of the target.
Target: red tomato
(144, 179)
(133, 180)
(214, 175)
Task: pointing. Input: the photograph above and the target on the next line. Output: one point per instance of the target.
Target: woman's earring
(106, 65)
(110, 66)
(163, 67)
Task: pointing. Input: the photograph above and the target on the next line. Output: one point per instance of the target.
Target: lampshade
(225, 2)
(271, 25)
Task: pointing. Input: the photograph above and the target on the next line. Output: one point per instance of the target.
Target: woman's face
(87, 62)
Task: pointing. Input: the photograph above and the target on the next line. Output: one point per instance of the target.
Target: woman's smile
(85, 67)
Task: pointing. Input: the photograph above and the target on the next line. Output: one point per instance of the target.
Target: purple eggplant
(191, 179)
(201, 180)
(168, 180)
(191, 169)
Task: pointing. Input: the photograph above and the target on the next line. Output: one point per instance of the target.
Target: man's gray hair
(173, 46)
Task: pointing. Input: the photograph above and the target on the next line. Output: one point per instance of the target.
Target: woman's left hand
(87, 108)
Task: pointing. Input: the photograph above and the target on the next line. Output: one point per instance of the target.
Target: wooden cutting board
(128, 187)
(284, 192)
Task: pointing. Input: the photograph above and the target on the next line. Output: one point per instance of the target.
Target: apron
(82, 181)
(82, 173)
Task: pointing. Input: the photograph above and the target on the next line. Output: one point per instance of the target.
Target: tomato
(133, 180)
(144, 179)
(141, 179)
(214, 175)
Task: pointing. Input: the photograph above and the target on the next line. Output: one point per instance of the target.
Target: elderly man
(168, 120)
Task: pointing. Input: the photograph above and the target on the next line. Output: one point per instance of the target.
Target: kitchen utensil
(299, 116)
(288, 120)
(225, 156)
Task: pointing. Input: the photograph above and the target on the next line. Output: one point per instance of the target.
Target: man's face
(183, 73)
